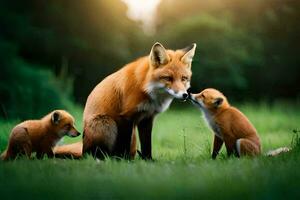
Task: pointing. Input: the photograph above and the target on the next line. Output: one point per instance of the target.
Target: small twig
(296, 138)
(184, 142)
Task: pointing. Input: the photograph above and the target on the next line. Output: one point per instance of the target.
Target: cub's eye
(184, 78)
(68, 126)
(166, 78)
(202, 95)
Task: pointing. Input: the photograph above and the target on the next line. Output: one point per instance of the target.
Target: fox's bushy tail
(3, 156)
(278, 151)
(73, 150)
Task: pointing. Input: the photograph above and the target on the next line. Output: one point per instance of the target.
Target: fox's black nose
(185, 95)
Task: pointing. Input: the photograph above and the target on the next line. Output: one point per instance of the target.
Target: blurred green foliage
(26, 89)
(248, 49)
(54, 51)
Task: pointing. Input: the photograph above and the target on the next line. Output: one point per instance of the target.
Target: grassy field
(182, 170)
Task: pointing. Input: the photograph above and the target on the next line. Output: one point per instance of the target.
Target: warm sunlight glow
(144, 11)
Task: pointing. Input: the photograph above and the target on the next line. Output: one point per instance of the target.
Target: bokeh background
(52, 53)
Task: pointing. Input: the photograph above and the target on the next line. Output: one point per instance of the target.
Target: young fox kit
(229, 125)
(39, 135)
(129, 99)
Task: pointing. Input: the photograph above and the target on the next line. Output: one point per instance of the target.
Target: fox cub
(230, 126)
(39, 135)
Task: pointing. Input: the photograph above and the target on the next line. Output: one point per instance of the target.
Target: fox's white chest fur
(159, 101)
(157, 105)
(211, 123)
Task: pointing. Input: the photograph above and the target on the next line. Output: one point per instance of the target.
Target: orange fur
(73, 150)
(39, 135)
(230, 125)
(130, 98)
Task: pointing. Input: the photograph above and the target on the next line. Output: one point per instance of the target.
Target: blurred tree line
(54, 52)
(249, 49)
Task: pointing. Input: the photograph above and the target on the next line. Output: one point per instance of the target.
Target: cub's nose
(185, 95)
(73, 133)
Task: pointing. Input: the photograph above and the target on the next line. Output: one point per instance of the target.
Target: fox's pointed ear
(55, 118)
(190, 52)
(158, 55)
(218, 101)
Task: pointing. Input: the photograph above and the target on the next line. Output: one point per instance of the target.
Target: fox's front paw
(145, 157)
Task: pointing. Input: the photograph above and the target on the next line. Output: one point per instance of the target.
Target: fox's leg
(124, 139)
(73, 150)
(27, 148)
(4, 155)
(40, 151)
(145, 129)
(100, 135)
(50, 153)
(45, 148)
(39, 155)
(247, 147)
(133, 147)
(87, 141)
(19, 143)
(230, 147)
(218, 142)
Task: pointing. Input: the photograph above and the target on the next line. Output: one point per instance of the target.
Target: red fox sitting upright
(230, 126)
(130, 98)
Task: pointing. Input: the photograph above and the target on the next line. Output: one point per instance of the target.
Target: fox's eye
(184, 78)
(167, 78)
(68, 126)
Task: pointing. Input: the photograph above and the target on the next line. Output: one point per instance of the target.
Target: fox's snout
(194, 100)
(182, 95)
(185, 96)
(73, 133)
(191, 97)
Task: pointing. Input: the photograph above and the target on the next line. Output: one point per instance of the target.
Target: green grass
(182, 168)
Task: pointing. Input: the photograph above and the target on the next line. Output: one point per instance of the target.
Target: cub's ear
(190, 52)
(158, 55)
(55, 118)
(218, 101)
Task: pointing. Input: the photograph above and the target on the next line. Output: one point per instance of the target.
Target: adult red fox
(130, 98)
(229, 125)
(39, 135)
